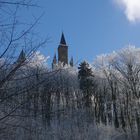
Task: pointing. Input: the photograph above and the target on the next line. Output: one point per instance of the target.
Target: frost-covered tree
(120, 73)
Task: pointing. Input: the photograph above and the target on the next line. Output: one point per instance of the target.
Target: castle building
(62, 54)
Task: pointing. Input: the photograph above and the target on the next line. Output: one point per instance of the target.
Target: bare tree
(17, 46)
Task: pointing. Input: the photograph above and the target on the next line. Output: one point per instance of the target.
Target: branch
(18, 3)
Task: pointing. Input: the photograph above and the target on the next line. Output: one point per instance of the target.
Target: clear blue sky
(91, 27)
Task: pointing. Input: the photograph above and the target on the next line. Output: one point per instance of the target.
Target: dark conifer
(85, 76)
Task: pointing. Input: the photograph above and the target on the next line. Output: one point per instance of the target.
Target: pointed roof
(21, 56)
(63, 41)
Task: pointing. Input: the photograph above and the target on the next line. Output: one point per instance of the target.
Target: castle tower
(63, 51)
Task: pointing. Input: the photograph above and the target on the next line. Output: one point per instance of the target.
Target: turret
(54, 61)
(71, 62)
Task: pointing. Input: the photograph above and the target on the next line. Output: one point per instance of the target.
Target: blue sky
(91, 27)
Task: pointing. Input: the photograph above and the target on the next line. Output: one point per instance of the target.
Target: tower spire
(63, 41)
(21, 57)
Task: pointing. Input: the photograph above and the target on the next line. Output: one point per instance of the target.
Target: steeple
(62, 59)
(62, 41)
(21, 57)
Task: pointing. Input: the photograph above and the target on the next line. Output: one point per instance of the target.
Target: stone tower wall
(63, 54)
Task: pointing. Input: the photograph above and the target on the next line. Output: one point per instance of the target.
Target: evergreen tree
(85, 76)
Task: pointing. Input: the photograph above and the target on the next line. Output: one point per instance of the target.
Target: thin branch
(18, 3)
